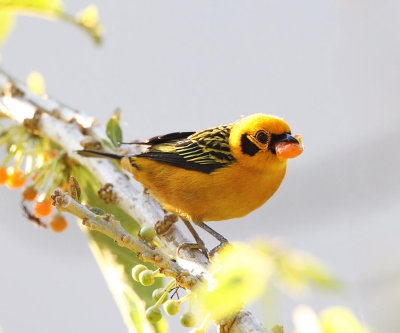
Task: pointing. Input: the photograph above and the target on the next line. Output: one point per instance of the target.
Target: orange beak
(288, 146)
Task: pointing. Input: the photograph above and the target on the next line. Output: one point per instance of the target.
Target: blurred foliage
(42, 7)
(237, 276)
(277, 329)
(340, 319)
(331, 320)
(35, 82)
(6, 24)
(87, 19)
(242, 272)
(296, 271)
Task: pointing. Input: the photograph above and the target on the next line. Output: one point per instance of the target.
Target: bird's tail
(97, 153)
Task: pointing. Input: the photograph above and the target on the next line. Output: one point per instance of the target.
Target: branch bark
(69, 128)
(113, 229)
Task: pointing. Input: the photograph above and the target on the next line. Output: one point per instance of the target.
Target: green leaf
(114, 132)
(43, 7)
(6, 24)
(107, 143)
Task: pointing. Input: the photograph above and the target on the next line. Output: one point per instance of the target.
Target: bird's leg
(222, 239)
(199, 242)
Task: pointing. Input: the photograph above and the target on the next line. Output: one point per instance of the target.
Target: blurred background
(331, 69)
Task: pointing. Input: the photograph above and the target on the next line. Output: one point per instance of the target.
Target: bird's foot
(200, 246)
(217, 249)
(162, 227)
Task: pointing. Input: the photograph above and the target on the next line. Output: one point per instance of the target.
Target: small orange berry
(42, 208)
(58, 223)
(3, 175)
(15, 180)
(29, 193)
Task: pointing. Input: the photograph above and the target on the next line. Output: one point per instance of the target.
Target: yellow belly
(229, 192)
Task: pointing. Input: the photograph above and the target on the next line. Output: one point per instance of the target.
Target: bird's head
(261, 138)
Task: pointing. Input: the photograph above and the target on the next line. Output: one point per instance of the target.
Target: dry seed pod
(74, 188)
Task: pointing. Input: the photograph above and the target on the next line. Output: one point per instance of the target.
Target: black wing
(204, 151)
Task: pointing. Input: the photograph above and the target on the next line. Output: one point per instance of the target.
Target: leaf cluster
(87, 19)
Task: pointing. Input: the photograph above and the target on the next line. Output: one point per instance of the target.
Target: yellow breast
(226, 193)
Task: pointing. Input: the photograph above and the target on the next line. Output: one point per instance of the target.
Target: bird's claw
(217, 249)
(198, 246)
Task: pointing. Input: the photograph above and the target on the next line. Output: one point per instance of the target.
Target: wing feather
(204, 151)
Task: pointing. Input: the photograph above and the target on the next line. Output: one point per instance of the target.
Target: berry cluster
(145, 276)
(42, 208)
(45, 168)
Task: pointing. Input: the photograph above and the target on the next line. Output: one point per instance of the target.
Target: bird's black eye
(262, 137)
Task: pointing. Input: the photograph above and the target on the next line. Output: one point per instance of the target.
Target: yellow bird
(219, 173)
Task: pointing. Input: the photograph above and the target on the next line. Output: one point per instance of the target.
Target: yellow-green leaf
(6, 25)
(89, 20)
(238, 276)
(89, 17)
(46, 7)
(35, 83)
(277, 329)
(340, 320)
(299, 270)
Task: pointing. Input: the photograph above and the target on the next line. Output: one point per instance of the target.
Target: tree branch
(69, 128)
(113, 229)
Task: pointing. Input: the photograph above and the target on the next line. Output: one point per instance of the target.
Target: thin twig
(35, 220)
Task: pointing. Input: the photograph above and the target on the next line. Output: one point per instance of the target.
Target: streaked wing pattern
(210, 146)
(203, 151)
